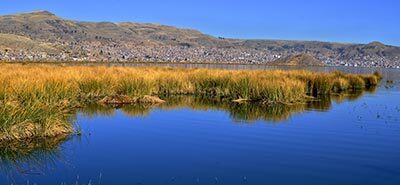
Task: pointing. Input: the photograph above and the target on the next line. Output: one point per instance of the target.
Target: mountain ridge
(129, 41)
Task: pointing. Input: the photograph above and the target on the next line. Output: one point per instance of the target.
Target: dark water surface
(349, 139)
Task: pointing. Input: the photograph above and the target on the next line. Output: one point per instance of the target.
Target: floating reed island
(40, 100)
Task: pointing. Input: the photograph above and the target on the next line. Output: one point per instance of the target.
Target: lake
(350, 139)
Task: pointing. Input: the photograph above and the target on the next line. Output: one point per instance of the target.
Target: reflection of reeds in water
(29, 157)
(352, 95)
(347, 96)
(94, 109)
(247, 112)
(241, 111)
(238, 111)
(137, 110)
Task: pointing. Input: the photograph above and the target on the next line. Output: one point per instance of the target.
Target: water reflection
(241, 112)
(29, 157)
(36, 156)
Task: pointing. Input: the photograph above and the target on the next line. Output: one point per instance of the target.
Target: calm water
(351, 139)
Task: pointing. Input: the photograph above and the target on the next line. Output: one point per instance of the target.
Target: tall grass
(27, 119)
(35, 99)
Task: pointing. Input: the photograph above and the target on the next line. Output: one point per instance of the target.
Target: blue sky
(359, 21)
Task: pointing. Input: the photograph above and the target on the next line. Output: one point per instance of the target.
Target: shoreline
(119, 63)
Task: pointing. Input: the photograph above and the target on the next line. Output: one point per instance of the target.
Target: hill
(29, 35)
(16, 42)
(298, 60)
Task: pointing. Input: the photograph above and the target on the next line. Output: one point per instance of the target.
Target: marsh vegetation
(39, 100)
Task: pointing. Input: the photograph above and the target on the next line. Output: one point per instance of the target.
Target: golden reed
(38, 100)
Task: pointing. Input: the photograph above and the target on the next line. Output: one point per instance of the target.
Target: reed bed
(37, 100)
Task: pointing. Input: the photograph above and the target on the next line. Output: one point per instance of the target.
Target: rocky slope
(44, 36)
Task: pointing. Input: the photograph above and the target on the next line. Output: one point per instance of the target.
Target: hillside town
(90, 52)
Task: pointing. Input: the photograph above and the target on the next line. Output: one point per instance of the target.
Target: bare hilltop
(43, 36)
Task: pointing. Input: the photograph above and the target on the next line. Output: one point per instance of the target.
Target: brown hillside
(298, 60)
